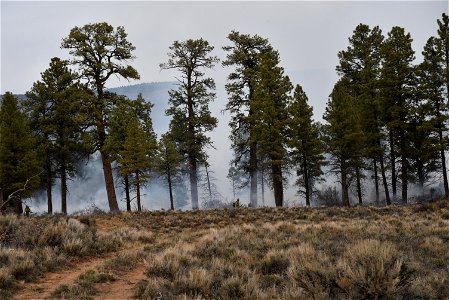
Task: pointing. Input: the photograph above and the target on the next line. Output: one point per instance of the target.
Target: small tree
(342, 135)
(189, 105)
(132, 143)
(168, 164)
(19, 162)
(305, 142)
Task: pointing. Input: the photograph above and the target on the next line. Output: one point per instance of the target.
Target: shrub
(274, 263)
(313, 271)
(371, 269)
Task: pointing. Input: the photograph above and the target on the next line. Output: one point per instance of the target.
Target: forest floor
(395, 252)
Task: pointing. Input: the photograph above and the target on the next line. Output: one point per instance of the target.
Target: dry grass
(397, 252)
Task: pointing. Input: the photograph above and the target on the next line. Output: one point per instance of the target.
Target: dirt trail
(120, 289)
(44, 286)
(123, 287)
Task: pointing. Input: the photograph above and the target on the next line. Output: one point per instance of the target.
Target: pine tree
(443, 53)
(20, 166)
(397, 79)
(343, 135)
(100, 52)
(132, 143)
(189, 104)
(305, 143)
(168, 164)
(433, 111)
(271, 97)
(360, 63)
(136, 158)
(58, 117)
(245, 55)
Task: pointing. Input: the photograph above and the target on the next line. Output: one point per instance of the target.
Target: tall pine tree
(245, 55)
(271, 98)
(397, 84)
(100, 51)
(58, 118)
(189, 104)
(360, 63)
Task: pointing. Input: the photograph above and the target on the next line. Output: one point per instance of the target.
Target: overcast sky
(308, 35)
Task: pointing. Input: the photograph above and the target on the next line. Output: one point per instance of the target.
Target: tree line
(385, 120)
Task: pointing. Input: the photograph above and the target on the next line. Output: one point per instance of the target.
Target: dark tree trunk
(253, 171)
(253, 174)
(63, 190)
(191, 154)
(306, 180)
(359, 185)
(170, 189)
(443, 164)
(193, 183)
(262, 185)
(384, 180)
(107, 168)
(376, 180)
(404, 169)
(421, 176)
(127, 196)
(49, 179)
(393, 165)
(139, 206)
(277, 184)
(344, 185)
(109, 182)
(208, 184)
(18, 205)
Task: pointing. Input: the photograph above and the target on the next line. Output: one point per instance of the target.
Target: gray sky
(308, 36)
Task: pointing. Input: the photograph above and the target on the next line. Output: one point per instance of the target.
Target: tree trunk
(107, 168)
(277, 184)
(421, 176)
(18, 205)
(49, 179)
(208, 184)
(63, 190)
(193, 183)
(127, 196)
(109, 182)
(359, 185)
(376, 180)
(306, 180)
(443, 164)
(139, 206)
(393, 164)
(344, 186)
(384, 180)
(253, 174)
(170, 189)
(404, 170)
(262, 185)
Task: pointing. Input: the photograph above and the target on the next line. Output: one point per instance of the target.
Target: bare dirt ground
(123, 287)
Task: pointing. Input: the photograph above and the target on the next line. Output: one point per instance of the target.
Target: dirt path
(123, 287)
(44, 286)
